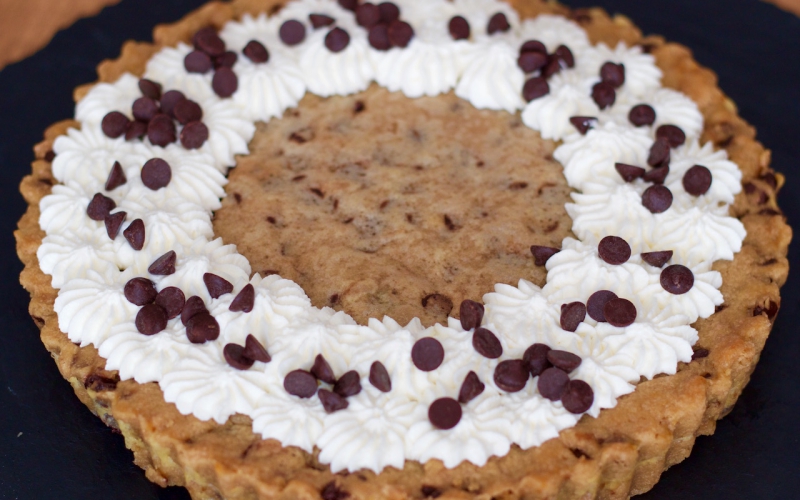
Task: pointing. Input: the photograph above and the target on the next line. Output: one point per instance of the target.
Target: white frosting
(385, 429)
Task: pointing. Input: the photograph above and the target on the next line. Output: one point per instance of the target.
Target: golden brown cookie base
(620, 453)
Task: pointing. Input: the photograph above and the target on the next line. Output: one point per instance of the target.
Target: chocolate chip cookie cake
(469, 249)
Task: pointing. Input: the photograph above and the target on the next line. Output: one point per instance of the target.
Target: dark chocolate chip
(116, 177)
(114, 124)
(657, 259)
(156, 173)
(186, 111)
(194, 135)
(697, 180)
(486, 343)
(100, 207)
(674, 135)
(135, 233)
(389, 12)
(322, 370)
(135, 130)
(300, 383)
(150, 89)
(144, 109)
(379, 37)
(209, 42)
(564, 56)
(331, 401)
(572, 315)
(400, 33)
(498, 23)
(459, 28)
(619, 312)
(256, 52)
(331, 491)
(657, 198)
(699, 353)
(379, 377)
(430, 491)
(564, 360)
(511, 375)
(533, 46)
(151, 319)
(427, 354)
(348, 4)
(629, 173)
(553, 66)
(642, 115)
(172, 300)
(552, 383)
(348, 384)
(337, 40)
(244, 300)
(234, 355)
(531, 61)
(114, 223)
(471, 388)
(292, 32)
(161, 130)
(169, 100)
(197, 61)
(677, 279)
(140, 291)
(225, 82)
(614, 250)
(319, 21)
(368, 15)
(254, 350)
(164, 265)
(577, 397)
(542, 254)
(535, 88)
(444, 413)
(471, 314)
(659, 152)
(535, 359)
(583, 123)
(613, 74)
(226, 60)
(657, 175)
(202, 328)
(604, 95)
(596, 304)
(217, 285)
(194, 306)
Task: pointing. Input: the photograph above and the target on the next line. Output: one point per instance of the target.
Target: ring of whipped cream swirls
(385, 429)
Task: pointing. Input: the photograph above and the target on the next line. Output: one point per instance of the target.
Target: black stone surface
(51, 446)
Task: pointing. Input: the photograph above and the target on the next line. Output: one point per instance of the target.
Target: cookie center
(377, 204)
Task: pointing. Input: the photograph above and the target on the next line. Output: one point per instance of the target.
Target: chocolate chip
(400, 33)
(613, 74)
(194, 306)
(583, 123)
(144, 109)
(116, 177)
(292, 32)
(542, 254)
(114, 124)
(430, 492)
(150, 89)
(389, 12)
(331, 491)
(256, 52)
(161, 130)
(140, 291)
(244, 300)
(572, 315)
(171, 99)
(699, 353)
(197, 61)
(379, 37)
(553, 66)
(331, 401)
(614, 250)
(657, 198)
(135, 233)
(659, 152)
(300, 383)
(459, 28)
(486, 343)
(379, 377)
(322, 370)
(471, 388)
(348, 4)
(234, 355)
(225, 82)
(151, 319)
(577, 397)
(156, 173)
(629, 173)
(255, 351)
(535, 359)
(348, 384)
(552, 383)
(604, 95)
(194, 135)
(164, 265)
(444, 413)
(319, 21)
(535, 88)
(564, 56)
(674, 135)
(697, 180)
(226, 60)
(533, 46)
(217, 286)
(564, 360)
(114, 223)
(172, 300)
(471, 314)
(100, 207)
(531, 61)
(677, 279)
(511, 375)
(368, 15)
(642, 115)
(186, 111)
(497, 23)
(427, 354)
(657, 175)
(619, 312)
(657, 259)
(209, 42)
(337, 40)
(202, 328)
(596, 304)
(135, 130)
